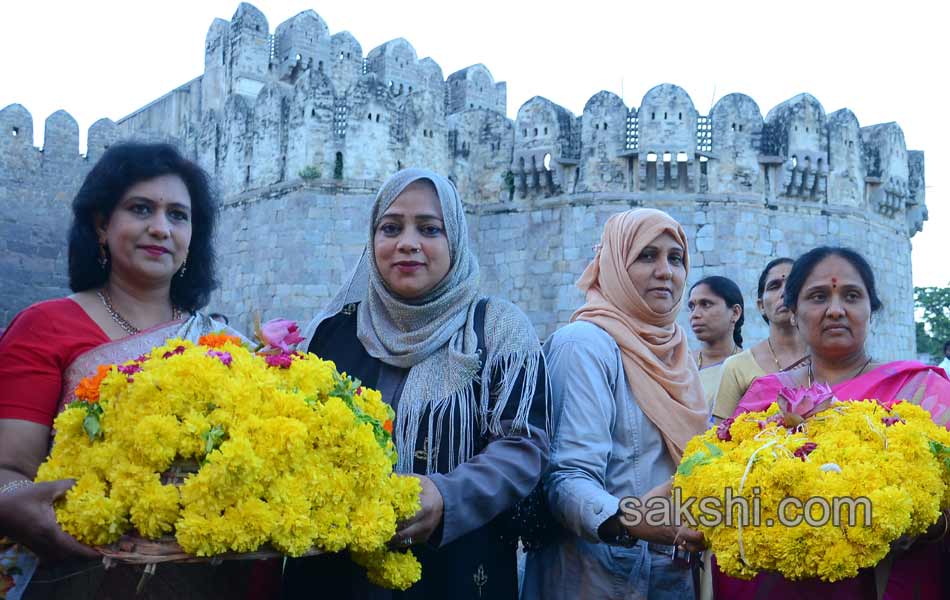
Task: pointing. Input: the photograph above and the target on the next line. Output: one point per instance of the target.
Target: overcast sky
(885, 61)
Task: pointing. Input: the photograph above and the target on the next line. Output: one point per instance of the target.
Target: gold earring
(103, 257)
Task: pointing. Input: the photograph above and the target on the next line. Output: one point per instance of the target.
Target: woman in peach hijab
(627, 399)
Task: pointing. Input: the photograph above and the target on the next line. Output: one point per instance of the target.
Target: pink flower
(280, 334)
(803, 401)
(722, 432)
(224, 357)
(282, 360)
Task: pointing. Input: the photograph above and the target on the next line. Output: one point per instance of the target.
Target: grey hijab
(434, 337)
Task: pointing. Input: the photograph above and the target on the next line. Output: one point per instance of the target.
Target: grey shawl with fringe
(434, 337)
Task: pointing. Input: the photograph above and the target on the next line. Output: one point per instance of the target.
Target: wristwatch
(615, 533)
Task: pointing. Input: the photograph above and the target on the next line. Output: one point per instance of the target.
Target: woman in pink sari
(140, 266)
(832, 296)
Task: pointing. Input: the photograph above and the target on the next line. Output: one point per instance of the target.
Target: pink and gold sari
(916, 573)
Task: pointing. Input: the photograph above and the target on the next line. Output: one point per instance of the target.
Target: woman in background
(782, 349)
(716, 316)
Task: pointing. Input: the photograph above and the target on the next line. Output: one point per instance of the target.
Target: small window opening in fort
(740, 127)
(653, 116)
(807, 130)
(320, 65)
(605, 126)
(399, 165)
(535, 132)
(471, 106)
(681, 116)
(664, 116)
(338, 166)
(850, 143)
(410, 89)
(545, 131)
(651, 157)
(377, 117)
(370, 116)
(681, 157)
(547, 162)
(348, 55)
(597, 126)
(667, 157)
(525, 133)
(400, 88)
(313, 112)
(733, 126)
(15, 131)
(703, 166)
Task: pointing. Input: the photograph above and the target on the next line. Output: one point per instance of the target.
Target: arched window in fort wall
(338, 166)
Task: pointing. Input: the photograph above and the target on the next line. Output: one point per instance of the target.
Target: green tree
(932, 306)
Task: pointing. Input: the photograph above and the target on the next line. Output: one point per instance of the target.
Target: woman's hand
(420, 527)
(27, 517)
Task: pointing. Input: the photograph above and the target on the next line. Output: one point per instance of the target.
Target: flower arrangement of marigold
(892, 455)
(290, 454)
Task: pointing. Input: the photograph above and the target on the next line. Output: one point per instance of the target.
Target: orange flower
(388, 426)
(88, 388)
(216, 340)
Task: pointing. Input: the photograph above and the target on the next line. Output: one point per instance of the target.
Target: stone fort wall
(299, 128)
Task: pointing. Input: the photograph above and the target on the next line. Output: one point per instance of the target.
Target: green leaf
(213, 438)
(92, 426)
(700, 458)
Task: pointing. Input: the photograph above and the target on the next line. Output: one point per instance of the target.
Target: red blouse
(35, 350)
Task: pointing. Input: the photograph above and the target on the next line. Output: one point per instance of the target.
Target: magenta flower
(805, 449)
(178, 350)
(224, 357)
(722, 432)
(280, 334)
(129, 369)
(892, 420)
(282, 360)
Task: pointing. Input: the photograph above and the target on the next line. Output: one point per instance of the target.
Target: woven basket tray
(134, 550)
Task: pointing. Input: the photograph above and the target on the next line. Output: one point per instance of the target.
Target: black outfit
(472, 553)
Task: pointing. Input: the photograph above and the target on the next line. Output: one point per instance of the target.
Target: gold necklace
(735, 350)
(120, 320)
(772, 352)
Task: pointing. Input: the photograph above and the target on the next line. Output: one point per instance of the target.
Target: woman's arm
(495, 479)
(27, 514)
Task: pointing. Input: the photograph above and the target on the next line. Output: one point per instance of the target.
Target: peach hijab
(656, 360)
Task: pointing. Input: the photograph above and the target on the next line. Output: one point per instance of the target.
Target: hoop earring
(103, 259)
(184, 267)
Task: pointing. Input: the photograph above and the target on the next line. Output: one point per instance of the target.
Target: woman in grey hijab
(465, 376)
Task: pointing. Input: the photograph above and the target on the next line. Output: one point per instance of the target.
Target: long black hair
(763, 277)
(727, 289)
(807, 262)
(122, 166)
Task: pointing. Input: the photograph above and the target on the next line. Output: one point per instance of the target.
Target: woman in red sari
(832, 296)
(141, 264)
